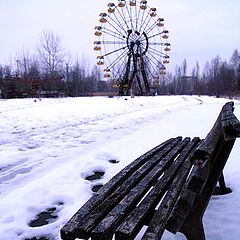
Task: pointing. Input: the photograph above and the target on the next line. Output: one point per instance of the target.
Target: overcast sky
(199, 29)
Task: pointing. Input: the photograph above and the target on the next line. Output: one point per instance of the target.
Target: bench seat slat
(101, 210)
(106, 228)
(180, 210)
(135, 221)
(69, 229)
(159, 220)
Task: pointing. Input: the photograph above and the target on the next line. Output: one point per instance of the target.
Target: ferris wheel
(132, 44)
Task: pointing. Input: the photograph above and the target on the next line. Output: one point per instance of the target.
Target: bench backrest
(209, 160)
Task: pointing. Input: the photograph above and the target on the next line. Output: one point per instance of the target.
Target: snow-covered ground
(49, 147)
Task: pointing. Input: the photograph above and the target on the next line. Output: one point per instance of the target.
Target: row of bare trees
(77, 78)
(50, 60)
(219, 77)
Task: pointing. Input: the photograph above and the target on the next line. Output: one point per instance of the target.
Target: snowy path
(48, 147)
(36, 144)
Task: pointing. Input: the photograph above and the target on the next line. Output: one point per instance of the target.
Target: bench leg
(222, 189)
(193, 230)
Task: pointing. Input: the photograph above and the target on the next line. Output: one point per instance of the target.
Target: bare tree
(235, 59)
(235, 64)
(184, 67)
(51, 52)
(23, 60)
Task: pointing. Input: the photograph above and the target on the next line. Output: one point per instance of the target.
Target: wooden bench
(167, 188)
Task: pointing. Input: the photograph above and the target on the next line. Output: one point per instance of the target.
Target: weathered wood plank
(88, 223)
(230, 123)
(110, 223)
(227, 125)
(159, 220)
(192, 226)
(198, 178)
(134, 222)
(207, 147)
(180, 210)
(69, 229)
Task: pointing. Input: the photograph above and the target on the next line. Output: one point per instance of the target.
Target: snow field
(48, 148)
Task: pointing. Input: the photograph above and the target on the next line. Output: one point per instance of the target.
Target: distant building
(102, 86)
(187, 84)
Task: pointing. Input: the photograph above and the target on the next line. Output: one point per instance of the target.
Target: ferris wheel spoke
(118, 65)
(146, 24)
(115, 35)
(153, 53)
(157, 51)
(149, 66)
(118, 58)
(151, 62)
(154, 58)
(157, 63)
(157, 34)
(156, 43)
(120, 68)
(130, 16)
(142, 38)
(119, 34)
(111, 42)
(121, 27)
(124, 20)
(148, 30)
(144, 21)
(124, 17)
(137, 19)
(117, 50)
(136, 16)
(153, 68)
(118, 20)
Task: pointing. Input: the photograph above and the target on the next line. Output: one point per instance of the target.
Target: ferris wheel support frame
(137, 57)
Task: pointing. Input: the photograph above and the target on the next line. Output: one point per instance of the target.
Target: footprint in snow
(95, 188)
(47, 216)
(40, 238)
(113, 161)
(107, 157)
(92, 176)
(95, 175)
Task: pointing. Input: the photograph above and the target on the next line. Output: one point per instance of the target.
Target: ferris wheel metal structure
(132, 43)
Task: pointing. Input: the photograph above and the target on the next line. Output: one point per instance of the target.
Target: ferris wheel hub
(137, 43)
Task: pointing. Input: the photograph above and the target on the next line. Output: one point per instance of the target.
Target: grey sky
(199, 29)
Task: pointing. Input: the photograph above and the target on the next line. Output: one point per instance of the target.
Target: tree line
(51, 70)
(219, 77)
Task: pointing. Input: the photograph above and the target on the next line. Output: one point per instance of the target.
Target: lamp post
(18, 62)
(67, 75)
